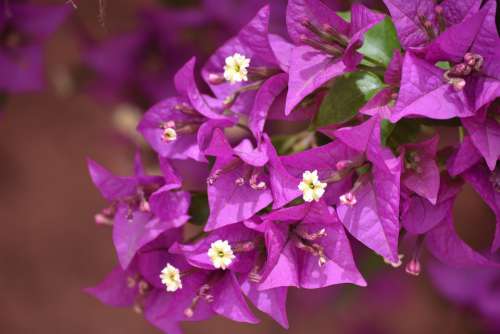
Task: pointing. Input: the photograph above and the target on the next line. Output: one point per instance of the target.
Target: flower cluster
(304, 140)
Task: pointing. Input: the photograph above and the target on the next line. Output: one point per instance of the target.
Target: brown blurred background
(50, 248)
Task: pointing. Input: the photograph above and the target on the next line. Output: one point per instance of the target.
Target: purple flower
(139, 286)
(141, 207)
(244, 180)
(312, 248)
(23, 30)
(242, 251)
(374, 219)
(326, 45)
(473, 48)
(419, 22)
(180, 127)
(434, 225)
(238, 69)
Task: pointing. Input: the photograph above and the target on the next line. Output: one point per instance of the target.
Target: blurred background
(102, 66)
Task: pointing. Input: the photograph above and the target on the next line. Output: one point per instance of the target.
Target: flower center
(221, 254)
(312, 188)
(170, 277)
(456, 75)
(236, 68)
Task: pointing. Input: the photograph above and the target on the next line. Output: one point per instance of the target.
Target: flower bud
(413, 267)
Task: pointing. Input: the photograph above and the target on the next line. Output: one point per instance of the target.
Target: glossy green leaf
(380, 42)
(346, 96)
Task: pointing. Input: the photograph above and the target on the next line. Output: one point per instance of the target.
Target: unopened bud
(348, 199)
(413, 267)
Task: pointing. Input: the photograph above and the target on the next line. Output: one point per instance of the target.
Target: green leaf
(345, 15)
(380, 42)
(394, 134)
(346, 96)
(386, 129)
(198, 210)
(444, 65)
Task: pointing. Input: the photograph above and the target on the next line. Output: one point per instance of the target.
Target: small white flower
(221, 254)
(171, 277)
(169, 134)
(236, 68)
(312, 188)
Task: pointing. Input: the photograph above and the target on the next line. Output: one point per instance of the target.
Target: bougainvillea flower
(257, 61)
(421, 172)
(140, 287)
(313, 248)
(244, 180)
(141, 207)
(434, 224)
(418, 215)
(247, 246)
(326, 45)
(374, 219)
(419, 22)
(23, 29)
(179, 127)
(334, 164)
(471, 83)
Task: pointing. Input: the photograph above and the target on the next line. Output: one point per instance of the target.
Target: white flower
(169, 134)
(236, 68)
(221, 254)
(312, 188)
(171, 277)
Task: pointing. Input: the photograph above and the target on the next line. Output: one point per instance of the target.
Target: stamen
(233, 164)
(335, 35)
(311, 236)
(203, 293)
(254, 275)
(440, 18)
(254, 184)
(314, 249)
(187, 109)
(327, 48)
(216, 78)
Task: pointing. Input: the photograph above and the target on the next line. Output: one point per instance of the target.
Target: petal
(114, 290)
(309, 70)
(424, 92)
(485, 135)
(111, 187)
(229, 301)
